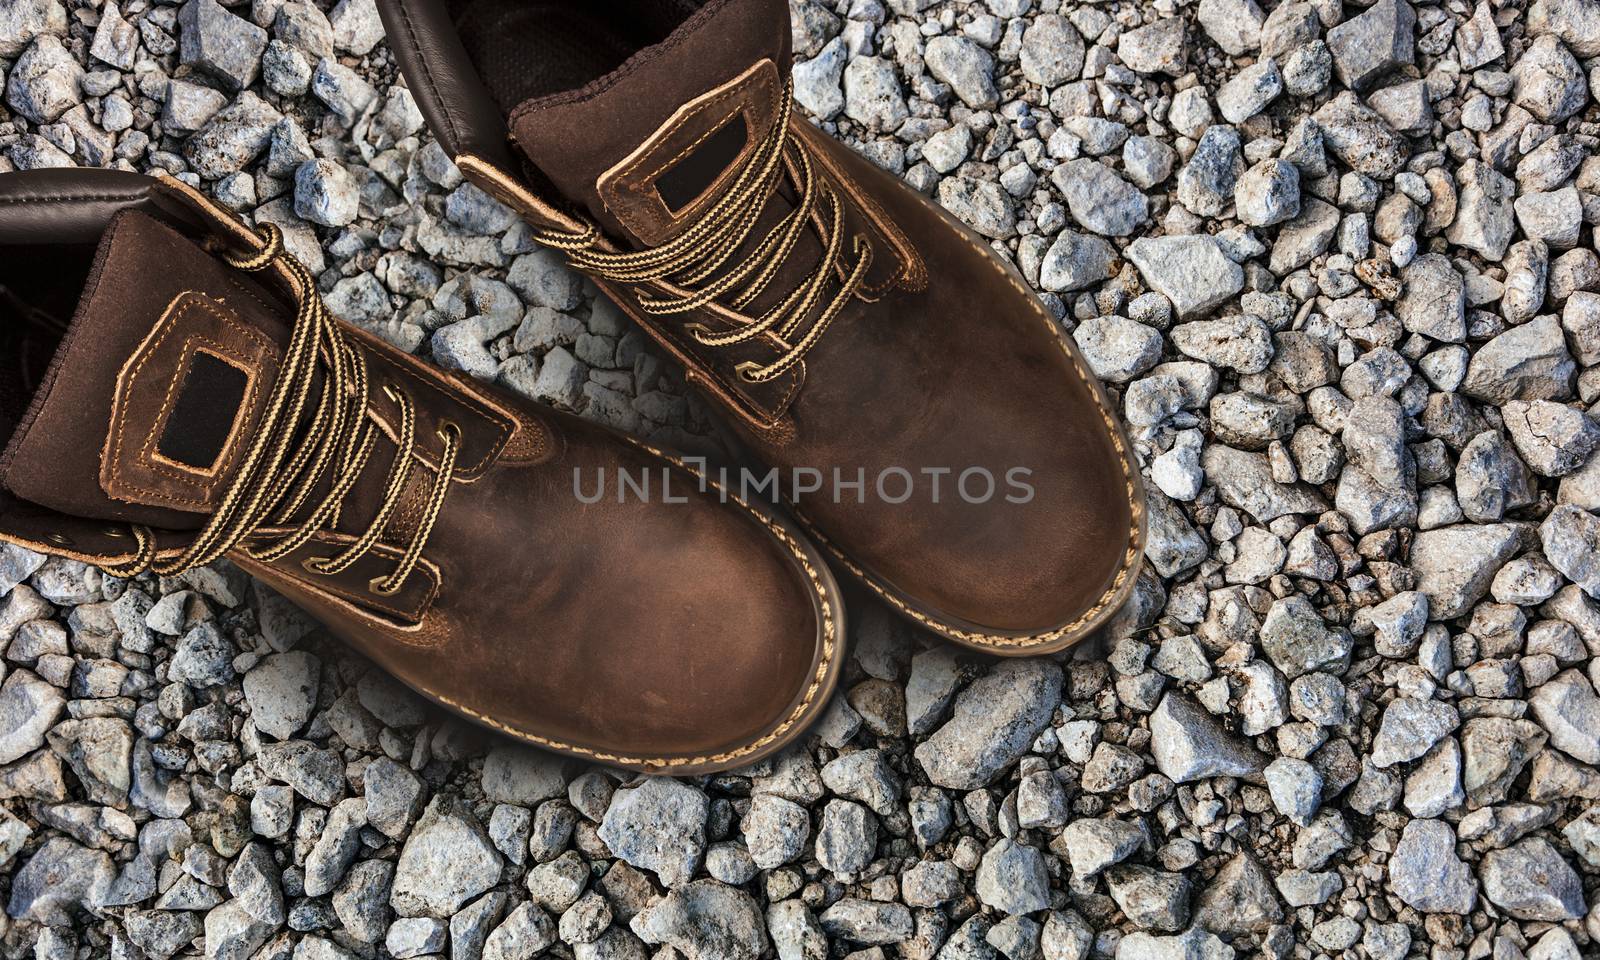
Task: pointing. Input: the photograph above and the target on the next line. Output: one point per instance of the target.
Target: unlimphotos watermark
(891, 485)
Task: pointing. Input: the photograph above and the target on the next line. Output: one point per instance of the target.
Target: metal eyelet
(59, 539)
(744, 370)
(446, 429)
(375, 586)
(309, 564)
(115, 533)
(698, 331)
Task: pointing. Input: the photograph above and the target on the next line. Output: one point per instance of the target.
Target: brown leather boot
(175, 392)
(841, 321)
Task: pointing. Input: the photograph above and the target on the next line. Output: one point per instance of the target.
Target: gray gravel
(1336, 265)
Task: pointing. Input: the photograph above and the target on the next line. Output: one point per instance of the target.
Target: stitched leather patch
(184, 403)
(686, 164)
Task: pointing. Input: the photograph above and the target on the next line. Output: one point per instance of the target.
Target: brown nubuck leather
(931, 425)
(176, 392)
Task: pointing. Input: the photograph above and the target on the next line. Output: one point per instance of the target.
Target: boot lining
(524, 50)
(39, 289)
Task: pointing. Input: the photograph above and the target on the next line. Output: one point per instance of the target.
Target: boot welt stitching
(1130, 558)
(795, 716)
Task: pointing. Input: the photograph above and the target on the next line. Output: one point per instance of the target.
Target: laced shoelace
(704, 250)
(285, 462)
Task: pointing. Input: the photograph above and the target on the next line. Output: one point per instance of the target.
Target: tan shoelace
(706, 247)
(285, 463)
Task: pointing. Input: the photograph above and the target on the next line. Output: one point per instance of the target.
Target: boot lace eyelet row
(699, 266)
(289, 458)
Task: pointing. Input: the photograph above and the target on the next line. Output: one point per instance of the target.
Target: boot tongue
(650, 145)
(156, 386)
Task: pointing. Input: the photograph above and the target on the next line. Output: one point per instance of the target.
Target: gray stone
(336, 849)
(1455, 565)
(1091, 845)
(1206, 184)
(1239, 900)
(23, 20)
(60, 879)
(1571, 538)
(1426, 873)
(1118, 349)
(1191, 271)
(317, 775)
(1531, 881)
(525, 933)
(1297, 639)
(1159, 47)
(28, 708)
(1434, 301)
(356, 26)
(446, 861)
(1075, 261)
(1305, 237)
(162, 933)
(1189, 744)
(232, 934)
(1012, 879)
(1268, 193)
(775, 830)
(1495, 750)
(282, 691)
(847, 838)
(411, 937)
(233, 138)
(1359, 136)
(872, 94)
(343, 90)
(45, 81)
(1554, 218)
(1573, 22)
(1101, 201)
(1548, 82)
(868, 922)
(966, 67)
(1373, 44)
(1234, 25)
(705, 920)
(1485, 220)
(1568, 708)
(981, 204)
(1250, 91)
(994, 722)
(514, 773)
(660, 826)
(1245, 480)
(1409, 729)
(1151, 899)
(1553, 438)
(1051, 52)
(219, 43)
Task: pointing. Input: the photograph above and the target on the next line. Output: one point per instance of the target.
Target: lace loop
(286, 461)
(707, 247)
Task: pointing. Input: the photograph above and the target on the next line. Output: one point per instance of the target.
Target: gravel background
(1334, 261)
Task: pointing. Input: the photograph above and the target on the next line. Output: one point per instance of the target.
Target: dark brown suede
(677, 632)
(633, 143)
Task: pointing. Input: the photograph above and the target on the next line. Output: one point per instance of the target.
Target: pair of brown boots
(176, 392)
